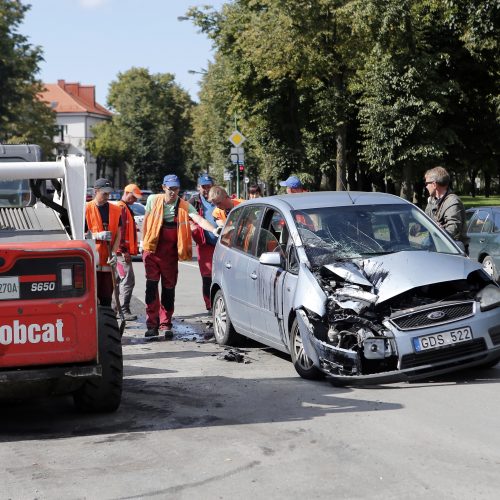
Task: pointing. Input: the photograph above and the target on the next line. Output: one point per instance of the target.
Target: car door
(266, 306)
(478, 233)
(238, 258)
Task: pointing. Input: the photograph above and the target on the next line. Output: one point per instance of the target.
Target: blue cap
(292, 182)
(205, 180)
(171, 181)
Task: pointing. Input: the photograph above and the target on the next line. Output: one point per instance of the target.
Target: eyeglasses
(429, 182)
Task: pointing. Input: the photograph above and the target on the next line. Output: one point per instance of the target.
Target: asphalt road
(193, 425)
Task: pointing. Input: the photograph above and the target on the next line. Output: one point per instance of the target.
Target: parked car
(362, 287)
(145, 195)
(139, 211)
(484, 232)
(187, 195)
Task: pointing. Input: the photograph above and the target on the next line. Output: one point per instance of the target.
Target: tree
(23, 118)
(288, 71)
(151, 126)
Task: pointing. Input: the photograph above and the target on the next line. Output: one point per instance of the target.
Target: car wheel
(304, 366)
(490, 268)
(224, 331)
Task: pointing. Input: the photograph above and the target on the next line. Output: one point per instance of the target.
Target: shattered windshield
(359, 231)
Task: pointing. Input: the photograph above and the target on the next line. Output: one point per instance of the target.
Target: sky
(91, 41)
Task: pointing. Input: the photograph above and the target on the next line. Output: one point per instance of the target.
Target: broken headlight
(489, 297)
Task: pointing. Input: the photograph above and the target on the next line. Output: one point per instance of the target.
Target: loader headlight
(489, 297)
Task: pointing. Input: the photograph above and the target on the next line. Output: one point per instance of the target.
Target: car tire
(224, 331)
(303, 365)
(104, 394)
(490, 268)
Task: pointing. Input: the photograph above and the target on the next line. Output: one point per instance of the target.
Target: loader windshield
(15, 193)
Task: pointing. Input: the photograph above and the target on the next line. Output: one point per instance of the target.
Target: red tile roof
(65, 97)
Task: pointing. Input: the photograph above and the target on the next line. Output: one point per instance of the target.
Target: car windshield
(359, 231)
(138, 209)
(15, 193)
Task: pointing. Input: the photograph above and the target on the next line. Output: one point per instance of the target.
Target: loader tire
(104, 394)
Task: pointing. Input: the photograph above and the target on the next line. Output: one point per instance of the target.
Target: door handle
(228, 265)
(253, 275)
(482, 240)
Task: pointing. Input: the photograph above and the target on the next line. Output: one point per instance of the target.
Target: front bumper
(317, 351)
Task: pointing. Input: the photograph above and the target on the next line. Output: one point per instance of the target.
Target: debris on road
(234, 354)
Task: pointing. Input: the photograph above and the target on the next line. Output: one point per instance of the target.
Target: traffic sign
(237, 138)
(246, 180)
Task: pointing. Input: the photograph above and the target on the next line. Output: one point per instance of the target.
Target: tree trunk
(407, 184)
(487, 184)
(341, 156)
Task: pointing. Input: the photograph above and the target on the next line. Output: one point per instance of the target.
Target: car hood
(396, 273)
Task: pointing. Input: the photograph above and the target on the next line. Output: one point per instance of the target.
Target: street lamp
(193, 72)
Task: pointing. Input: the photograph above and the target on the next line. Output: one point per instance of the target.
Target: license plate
(9, 287)
(442, 339)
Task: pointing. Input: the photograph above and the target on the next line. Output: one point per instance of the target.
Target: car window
(292, 260)
(477, 222)
(354, 231)
(274, 233)
(228, 231)
(247, 224)
(138, 209)
(468, 217)
(496, 224)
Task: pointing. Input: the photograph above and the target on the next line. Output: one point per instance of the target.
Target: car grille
(495, 334)
(420, 319)
(443, 354)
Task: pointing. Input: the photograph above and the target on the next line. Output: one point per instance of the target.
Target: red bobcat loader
(54, 337)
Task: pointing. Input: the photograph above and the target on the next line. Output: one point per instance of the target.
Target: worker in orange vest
(128, 248)
(205, 240)
(166, 240)
(224, 203)
(103, 220)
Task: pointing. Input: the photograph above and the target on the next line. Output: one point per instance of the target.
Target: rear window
(15, 193)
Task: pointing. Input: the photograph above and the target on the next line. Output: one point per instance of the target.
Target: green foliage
(151, 127)
(23, 118)
(379, 89)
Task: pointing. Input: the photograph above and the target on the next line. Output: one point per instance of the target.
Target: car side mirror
(270, 259)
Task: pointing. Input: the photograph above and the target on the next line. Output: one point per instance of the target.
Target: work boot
(128, 315)
(151, 332)
(169, 334)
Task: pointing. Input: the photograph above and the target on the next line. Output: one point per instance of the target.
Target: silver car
(362, 287)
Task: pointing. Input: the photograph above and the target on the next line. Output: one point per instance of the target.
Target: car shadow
(466, 376)
(160, 403)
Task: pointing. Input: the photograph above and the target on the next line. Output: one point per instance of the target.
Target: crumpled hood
(396, 273)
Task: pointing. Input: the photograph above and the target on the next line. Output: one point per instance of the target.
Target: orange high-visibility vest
(129, 230)
(220, 213)
(95, 225)
(151, 233)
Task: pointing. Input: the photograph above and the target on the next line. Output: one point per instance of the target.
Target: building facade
(76, 113)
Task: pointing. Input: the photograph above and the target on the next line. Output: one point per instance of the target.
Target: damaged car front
(393, 298)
